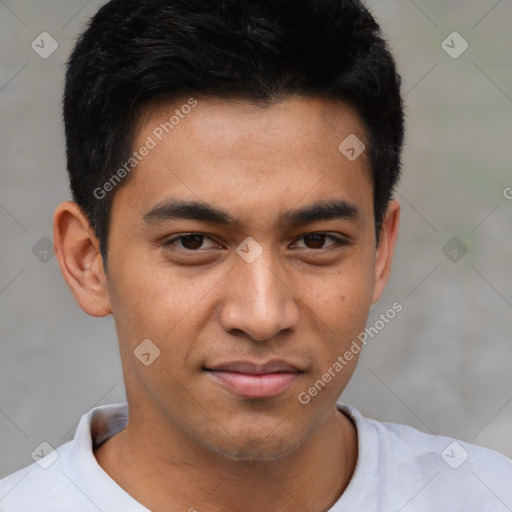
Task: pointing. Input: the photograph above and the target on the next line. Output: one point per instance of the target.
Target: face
(255, 283)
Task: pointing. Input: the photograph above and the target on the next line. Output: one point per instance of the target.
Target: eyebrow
(172, 209)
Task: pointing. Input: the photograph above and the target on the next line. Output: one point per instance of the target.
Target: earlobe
(385, 248)
(78, 254)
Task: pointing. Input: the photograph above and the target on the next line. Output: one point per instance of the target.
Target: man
(232, 167)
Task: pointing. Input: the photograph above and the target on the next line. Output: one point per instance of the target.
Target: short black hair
(135, 52)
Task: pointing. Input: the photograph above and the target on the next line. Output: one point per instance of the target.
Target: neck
(179, 477)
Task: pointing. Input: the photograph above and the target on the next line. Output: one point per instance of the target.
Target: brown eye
(190, 241)
(317, 241)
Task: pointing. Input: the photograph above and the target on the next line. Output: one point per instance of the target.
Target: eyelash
(338, 242)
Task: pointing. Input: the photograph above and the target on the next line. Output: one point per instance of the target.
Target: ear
(385, 248)
(77, 251)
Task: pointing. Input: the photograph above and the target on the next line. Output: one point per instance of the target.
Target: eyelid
(174, 238)
(339, 241)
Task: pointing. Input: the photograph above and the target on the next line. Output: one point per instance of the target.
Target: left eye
(190, 241)
(317, 240)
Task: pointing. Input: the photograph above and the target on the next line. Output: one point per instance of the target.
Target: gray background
(442, 365)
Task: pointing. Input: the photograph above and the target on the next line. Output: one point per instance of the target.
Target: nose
(259, 301)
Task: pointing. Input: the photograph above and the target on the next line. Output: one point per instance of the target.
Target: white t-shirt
(399, 468)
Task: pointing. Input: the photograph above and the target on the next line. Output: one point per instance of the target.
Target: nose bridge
(263, 282)
(258, 301)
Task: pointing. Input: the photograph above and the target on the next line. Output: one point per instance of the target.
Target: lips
(255, 368)
(255, 380)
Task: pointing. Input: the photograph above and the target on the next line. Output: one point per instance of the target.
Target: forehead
(248, 157)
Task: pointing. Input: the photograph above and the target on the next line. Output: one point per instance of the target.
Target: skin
(191, 443)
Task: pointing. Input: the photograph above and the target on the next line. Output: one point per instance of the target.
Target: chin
(256, 451)
(254, 445)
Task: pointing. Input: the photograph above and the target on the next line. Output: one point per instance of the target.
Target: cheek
(342, 299)
(340, 310)
(154, 304)
(158, 302)
(340, 315)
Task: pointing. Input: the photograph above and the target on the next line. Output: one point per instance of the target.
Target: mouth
(255, 380)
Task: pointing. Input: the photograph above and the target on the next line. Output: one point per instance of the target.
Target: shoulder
(408, 443)
(70, 478)
(433, 468)
(41, 485)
